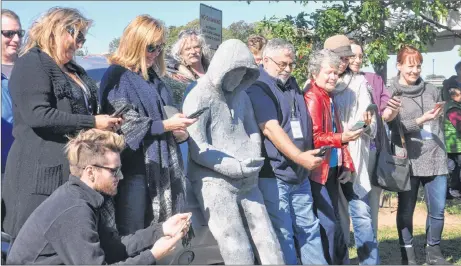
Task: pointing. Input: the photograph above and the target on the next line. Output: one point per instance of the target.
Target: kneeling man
(67, 227)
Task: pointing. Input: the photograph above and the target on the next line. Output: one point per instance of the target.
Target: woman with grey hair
(337, 164)
(189, 60)
(352, 98)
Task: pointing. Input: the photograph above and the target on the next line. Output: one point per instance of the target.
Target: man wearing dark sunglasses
(69, 228)
(11, 41)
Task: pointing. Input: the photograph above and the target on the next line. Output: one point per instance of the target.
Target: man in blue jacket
(11, 41)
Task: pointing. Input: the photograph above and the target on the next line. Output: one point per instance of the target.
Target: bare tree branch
(440, 25)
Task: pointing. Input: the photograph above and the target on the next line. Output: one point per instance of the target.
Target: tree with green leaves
(383, 26)
(82, 52)
(239, 30)
(113, 45)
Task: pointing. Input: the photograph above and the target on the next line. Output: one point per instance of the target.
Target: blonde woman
(52, 97)
(153, 188)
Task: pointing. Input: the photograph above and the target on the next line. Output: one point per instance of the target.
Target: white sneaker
(454, 193)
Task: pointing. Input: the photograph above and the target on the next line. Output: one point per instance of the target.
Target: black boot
(434, 256)
(408, 256)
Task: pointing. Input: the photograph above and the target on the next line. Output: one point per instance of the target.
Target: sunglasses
(80, 37)
(11, 33)
(151, 48)
(187, 33)
(116, 172)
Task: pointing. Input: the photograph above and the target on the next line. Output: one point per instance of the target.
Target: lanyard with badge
(426, 131)
(294, 120)
(295, 123)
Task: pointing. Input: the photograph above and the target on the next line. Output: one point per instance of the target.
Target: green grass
(390, 251)
(453, 207)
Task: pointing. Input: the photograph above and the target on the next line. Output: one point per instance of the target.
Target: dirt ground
(387, 216)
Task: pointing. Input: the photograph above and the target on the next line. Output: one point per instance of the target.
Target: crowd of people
(95, 174)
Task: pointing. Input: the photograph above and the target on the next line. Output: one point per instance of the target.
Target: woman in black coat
(52, 98)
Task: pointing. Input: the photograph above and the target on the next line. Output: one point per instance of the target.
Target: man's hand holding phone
(174, 229)
(176, 224)
(308, 159)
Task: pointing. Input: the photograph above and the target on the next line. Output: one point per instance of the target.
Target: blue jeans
(290, 209)
(130, 204)
(326, 199)
(364, 233)
(435, 195)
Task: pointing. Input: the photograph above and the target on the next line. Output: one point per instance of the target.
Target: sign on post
(211, 25)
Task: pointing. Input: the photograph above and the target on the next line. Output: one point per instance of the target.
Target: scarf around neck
(410, 91)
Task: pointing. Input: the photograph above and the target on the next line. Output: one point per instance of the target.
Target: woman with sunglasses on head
(53, 98)
(153, 188)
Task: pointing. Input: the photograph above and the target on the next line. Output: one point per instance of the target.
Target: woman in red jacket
(338, 165)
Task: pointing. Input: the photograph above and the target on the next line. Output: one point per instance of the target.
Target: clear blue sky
(111, 17)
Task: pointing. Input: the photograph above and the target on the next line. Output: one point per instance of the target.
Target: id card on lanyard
(426, 131)
(295, 122)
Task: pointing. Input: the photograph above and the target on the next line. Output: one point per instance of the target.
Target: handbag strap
(402, 137)
(399, 125)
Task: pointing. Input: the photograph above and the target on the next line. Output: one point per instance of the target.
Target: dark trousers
(326, 208)
(455, 182)
(435, 193)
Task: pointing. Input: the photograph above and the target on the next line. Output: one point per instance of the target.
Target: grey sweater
(427, 156)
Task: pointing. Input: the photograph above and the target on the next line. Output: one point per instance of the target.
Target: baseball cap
(339, 44)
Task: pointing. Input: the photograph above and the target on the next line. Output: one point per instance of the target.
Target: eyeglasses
(80, 39)
(283, 65)
(116, 172)
(11, 33)
(151, 48)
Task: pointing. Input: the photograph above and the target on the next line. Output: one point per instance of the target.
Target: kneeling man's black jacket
(66, 229)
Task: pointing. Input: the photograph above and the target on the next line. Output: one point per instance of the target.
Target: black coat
(47, 106)
(67, 229)
(447, 85)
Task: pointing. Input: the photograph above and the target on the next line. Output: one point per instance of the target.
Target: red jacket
(318, 104)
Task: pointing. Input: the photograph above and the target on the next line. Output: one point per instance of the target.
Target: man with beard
(67, 229)
(283, 119)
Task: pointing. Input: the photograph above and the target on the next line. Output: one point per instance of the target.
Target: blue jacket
(7, 121)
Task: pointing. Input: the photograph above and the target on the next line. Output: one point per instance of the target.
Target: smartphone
(123, 109)
(322, 151)
(372, 108)
(184, 224)
(439, 104)
(198, 113)
(358, 125)
(396, 93)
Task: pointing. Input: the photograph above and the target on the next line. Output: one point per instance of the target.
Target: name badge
(426, 132)
(296, 129)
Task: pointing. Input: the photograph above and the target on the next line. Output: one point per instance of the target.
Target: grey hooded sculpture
(225, 158)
